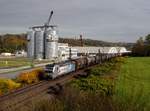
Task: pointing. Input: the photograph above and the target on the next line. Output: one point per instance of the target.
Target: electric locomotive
(62, 68)
(57, 69)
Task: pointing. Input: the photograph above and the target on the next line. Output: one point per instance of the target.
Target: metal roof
(122, 50)
(102, 49)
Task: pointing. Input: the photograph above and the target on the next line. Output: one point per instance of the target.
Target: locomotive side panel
(59, 69)
(67, 68)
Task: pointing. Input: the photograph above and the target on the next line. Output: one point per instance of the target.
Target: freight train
(62, 68)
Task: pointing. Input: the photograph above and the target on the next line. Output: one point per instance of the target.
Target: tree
(147, 39)
(12, 42)
(142, 47)
(140, 41)
(139, 49)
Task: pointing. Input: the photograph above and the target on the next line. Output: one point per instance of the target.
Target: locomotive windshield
(50, 65)
(49, 68)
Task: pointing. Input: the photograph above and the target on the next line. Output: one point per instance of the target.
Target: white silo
(30, 44)
(39, 44)
(51, 43)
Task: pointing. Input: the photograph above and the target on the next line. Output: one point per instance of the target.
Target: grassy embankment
(122, 84)
(118, 85)
(14, 62)
(93, 93)
(18, 62)
(133, 84)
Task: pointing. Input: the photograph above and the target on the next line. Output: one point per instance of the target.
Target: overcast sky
(110, 20)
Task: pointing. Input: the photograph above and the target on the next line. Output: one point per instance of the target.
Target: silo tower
(51, 43)
(31, 44)
(46, 40)
(39, 44)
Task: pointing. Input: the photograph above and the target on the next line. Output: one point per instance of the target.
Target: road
(14, 72)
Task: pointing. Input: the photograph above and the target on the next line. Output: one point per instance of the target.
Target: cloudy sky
(110, 20)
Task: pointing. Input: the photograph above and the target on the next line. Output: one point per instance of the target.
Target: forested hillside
(90, 42)
(13, 42)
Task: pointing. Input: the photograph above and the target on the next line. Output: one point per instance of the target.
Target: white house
(21, 53)
(6, 54)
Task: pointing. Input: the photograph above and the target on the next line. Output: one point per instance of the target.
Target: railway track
(25, 95)
(22, 96)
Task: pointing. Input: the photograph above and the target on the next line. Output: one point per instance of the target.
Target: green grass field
(17, 62)
(133, 84)
(13, 62)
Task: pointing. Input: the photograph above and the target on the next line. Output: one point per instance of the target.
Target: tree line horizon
(14, 42)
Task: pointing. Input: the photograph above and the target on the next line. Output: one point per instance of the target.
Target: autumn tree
(12, 42)
(138, 49)
(147, 45)
(147, 39)
(142, 47)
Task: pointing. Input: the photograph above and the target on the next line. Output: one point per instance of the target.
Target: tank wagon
(58, 69)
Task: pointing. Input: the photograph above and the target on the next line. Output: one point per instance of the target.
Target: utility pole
(81, 41)
(70, 53)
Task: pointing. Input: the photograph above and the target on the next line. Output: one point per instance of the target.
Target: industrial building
(95, 50)
(43, 44)
(43, 41)
(103, 50)
(54, 50)
(40, 47)
(64, 51)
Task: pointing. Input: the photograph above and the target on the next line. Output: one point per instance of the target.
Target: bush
(7, 85)
(101, 78)
(31, 77)
(1, 93)
(120, 59)
(95, 84)
(47, 105)
(72, 99)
